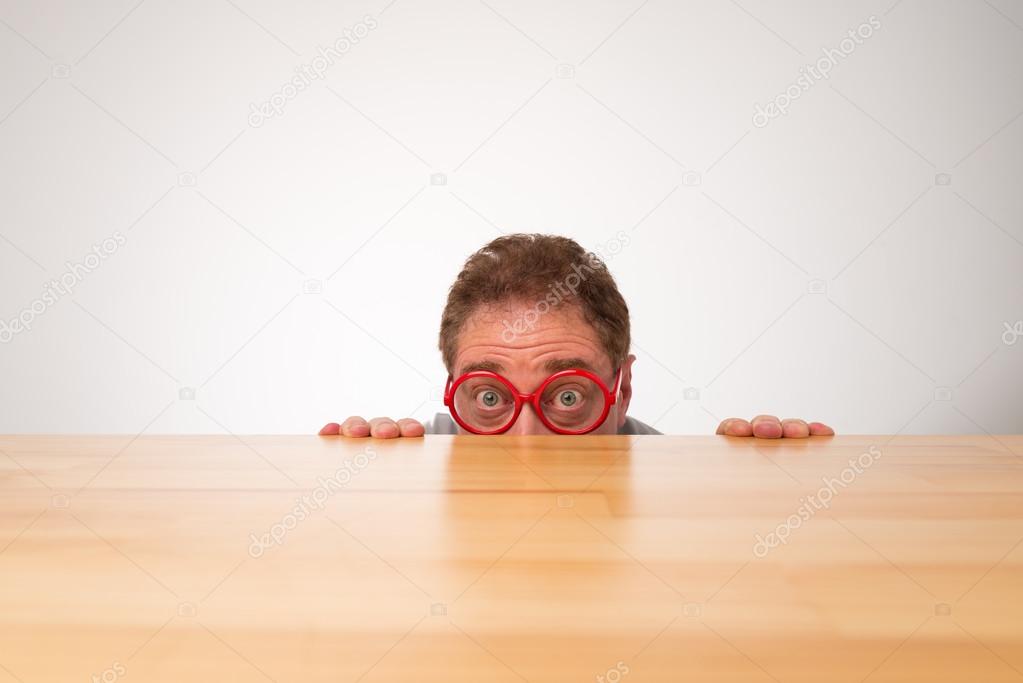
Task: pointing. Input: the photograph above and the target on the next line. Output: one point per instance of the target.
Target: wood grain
(511, 558)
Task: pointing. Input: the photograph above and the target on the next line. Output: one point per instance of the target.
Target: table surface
(221, 558)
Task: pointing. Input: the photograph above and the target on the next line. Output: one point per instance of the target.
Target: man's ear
(625, 390)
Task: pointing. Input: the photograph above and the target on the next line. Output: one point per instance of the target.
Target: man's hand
(770, 427)
(378, 427)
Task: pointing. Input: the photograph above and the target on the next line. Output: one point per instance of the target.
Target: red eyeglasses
(568, 402)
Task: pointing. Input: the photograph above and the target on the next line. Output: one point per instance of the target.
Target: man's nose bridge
(528, 422)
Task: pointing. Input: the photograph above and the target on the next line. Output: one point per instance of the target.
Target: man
(535, 337)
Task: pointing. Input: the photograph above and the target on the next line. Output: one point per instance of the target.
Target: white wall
(131, 122)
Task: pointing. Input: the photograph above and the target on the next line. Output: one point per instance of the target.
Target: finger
(820, 429)
(739, 427)
(355, 426)
(766, 427)
(410, 427)
(735, 426)
(384, 428)
(330, 429)
(793, 428)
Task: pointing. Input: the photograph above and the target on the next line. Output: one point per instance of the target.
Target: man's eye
(489, 398)
(568, 399)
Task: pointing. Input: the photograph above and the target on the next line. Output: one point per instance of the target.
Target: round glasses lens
(573, 403)
(484, 403)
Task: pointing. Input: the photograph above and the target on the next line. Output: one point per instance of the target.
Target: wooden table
(511, 558)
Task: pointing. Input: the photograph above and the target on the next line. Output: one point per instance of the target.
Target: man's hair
(545, 272)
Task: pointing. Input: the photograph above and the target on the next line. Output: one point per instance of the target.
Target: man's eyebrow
(488, 365)
(559, 364)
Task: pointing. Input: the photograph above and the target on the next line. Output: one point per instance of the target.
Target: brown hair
(536, 267)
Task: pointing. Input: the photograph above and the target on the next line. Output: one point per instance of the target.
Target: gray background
(858, 260)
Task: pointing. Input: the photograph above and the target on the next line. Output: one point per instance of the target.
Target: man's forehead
(550, 365)
(500, 336)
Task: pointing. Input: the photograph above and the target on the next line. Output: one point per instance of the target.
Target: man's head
(526, 306)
